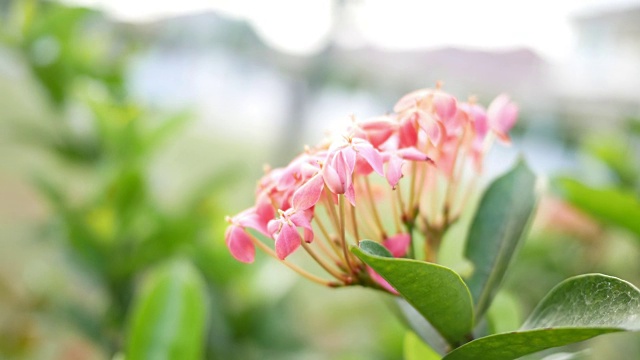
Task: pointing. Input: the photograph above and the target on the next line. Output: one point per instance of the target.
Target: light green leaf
(168, 320)
(419, 325)
(499, 226)
(437, 292)
(505, 313)
(575, 310)
(415, 349)
(612, 206)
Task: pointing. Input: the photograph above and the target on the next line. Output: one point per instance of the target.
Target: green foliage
(498, 228)
(575, 310)
(614, 206)
(415, 349)
(108, 216)
(168, 319)
(64, 46)
(437, 292)
(617, 202)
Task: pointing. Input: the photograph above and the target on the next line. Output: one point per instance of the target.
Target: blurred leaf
(168, 320)
(437, 292)
(616, 154)
(504, 314)
(420, 326)
(499, 226)
(577, 309)
(633, 125)
(613, 206)
(415, 349)
(168, 128)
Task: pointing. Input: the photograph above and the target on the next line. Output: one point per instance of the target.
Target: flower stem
(372, 205)
(343, 238)
(293, 267)
(335, 273)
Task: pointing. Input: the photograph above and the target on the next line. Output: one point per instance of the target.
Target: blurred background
(129, 129)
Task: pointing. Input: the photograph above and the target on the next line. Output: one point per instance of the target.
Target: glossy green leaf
(437, 292)
(168, 321)
(499, 226)
(415, 349)
(575, 310)
(613, 206)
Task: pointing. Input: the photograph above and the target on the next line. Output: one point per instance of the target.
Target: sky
(304, 27)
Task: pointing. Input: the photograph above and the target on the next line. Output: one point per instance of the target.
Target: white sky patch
(303, 27)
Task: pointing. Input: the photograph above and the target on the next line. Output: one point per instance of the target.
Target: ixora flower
(398, 179)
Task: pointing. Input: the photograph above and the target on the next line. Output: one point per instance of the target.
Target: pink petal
(411, 153)
(394, 170)
(301, 219)
(502, 115)
(380, 280)
(478, 116)
(377, 130)
(332, 179)
(457, 121)
(435, 130)
(240, 244)
(309, 193)
(287, 241)
(371, 155)
(445, 104)
(408, 132)
(409, 100)
(398, 244)
(250, 219)
(349, 156)
(273, 227)
(264, 210)
(350, 194)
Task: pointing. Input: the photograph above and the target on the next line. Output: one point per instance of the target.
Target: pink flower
(285, 233)
(397, 244)
(341, 163)
(377, 130)
(427, 124)
(240, 244)
(236, 237)
(307, 195)
(502, 115)
(478, 116)
(395, 160)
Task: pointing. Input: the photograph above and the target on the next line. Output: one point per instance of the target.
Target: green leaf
(168, 320)
(415, 349)
(505, 314)
(499, 226)
(437, 292)
(612, 206)
(577, 309)
(412, 319)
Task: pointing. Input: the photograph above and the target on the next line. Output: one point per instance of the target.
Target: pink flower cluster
(351, 186)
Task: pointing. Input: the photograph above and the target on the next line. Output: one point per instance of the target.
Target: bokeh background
(129, 129)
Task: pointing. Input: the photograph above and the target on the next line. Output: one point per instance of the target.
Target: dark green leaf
(499, 226)
(575, 310)
(437, 292)
(168, 321)
(374, 248)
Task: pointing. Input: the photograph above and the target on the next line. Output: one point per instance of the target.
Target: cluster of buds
(400, 179)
